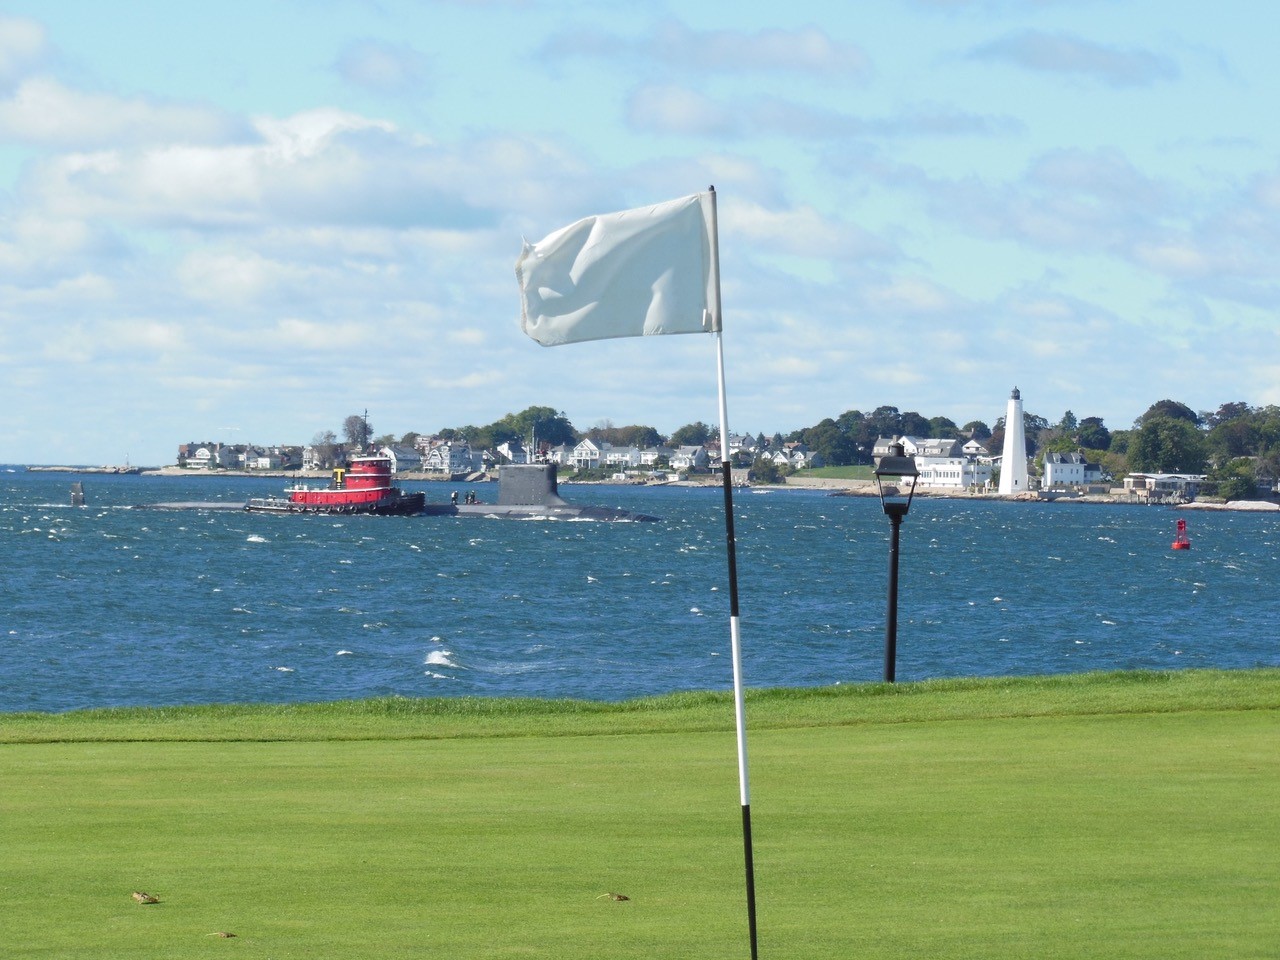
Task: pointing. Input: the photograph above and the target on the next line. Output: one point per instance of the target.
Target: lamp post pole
(895, 512)
(896, 466)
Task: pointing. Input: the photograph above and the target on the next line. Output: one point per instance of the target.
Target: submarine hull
(530, 492)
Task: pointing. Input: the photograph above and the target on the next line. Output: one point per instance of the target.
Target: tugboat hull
(364, 486)
(404, 505)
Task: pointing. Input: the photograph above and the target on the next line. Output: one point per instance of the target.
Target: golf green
(1099, 835)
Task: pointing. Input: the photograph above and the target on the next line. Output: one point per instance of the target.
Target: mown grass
(857, 472)
(389, 718)
(1103, 816)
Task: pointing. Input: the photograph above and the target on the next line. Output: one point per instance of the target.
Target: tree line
(1237, 445)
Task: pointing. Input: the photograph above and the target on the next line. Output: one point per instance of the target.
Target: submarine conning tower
(529, 484)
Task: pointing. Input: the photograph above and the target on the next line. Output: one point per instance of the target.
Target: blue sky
(245, 221)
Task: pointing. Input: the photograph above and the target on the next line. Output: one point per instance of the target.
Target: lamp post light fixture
(900, 472)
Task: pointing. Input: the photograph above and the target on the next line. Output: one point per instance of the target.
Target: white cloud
(680, 111)
(676, 110)
(222, 277)
(799, 231)
(43, 112)
(675, 46)
(806, 50)
(1062, 53)
(384, 67)
(22, 45)
(911, 295)
(321, 166)
(1173, 258)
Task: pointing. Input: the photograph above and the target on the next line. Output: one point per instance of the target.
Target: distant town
(1170, 452)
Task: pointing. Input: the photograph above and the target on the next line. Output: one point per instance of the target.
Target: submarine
(528, 491)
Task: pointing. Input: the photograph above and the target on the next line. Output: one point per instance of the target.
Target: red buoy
(1181, 542)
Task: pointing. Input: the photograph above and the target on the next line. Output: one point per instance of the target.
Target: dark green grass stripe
(396, 718)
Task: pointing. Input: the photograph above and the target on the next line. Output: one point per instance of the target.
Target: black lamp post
(900, 470)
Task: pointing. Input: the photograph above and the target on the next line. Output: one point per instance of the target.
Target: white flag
(636, 273)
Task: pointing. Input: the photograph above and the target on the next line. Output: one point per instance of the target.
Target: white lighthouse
(1013, 464)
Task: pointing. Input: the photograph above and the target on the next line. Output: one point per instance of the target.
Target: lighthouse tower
(1013, 464)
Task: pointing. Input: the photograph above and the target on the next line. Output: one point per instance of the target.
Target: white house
(450, 456)
(621, 456)
(959, 473)
(1161, 485)
(942, 462)
(742, 443)
(402, 458)
(690, 458)
(586, 455)
(206, 456)
(264, 458)
(513, 451)
(650, 455)
(1063, 470)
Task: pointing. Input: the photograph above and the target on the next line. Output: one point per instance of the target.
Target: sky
(243, 222)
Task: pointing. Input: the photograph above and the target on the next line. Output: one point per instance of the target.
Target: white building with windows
(513, 451)
(1063, 470)
(621, 456)
(586, 455)
(690, 458)
(942, 463)
(1163, 486)
(450, 456)
(959, 473)
(402, 457)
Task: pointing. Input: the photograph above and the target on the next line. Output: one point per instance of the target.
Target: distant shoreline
(833, 486)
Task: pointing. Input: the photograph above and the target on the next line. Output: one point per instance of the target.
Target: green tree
(631, 436)
(1167, 445)
(1170, 409)
(943, 428)
(327, 448)
(545, 424)
(913, 424)
(1228, 412)
(1238, 488)
(1236, 480)
(691, 435)
(764, 470)
(885, 422)
(826, 439)
(977, 430)
(357, 431)
(1234, 438)
(1092, 434)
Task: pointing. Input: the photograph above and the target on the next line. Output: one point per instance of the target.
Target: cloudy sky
(244, 221)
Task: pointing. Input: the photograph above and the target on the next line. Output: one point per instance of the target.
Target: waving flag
(637, 273)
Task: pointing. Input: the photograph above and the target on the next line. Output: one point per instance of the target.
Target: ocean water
(108, 605)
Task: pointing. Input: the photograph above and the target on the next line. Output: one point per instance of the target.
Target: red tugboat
(363, 486)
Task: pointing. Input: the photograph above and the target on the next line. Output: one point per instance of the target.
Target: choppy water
(106, 605)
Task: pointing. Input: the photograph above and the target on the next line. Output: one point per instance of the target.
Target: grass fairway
(1112, 816)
